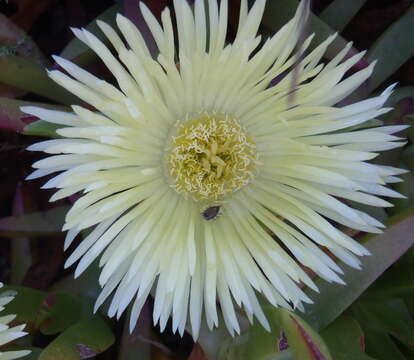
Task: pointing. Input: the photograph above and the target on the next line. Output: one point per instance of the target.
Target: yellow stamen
(211, 156)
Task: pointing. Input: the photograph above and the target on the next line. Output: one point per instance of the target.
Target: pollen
(211, 156)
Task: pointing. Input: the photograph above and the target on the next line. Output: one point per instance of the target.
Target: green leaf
(409, 119)
(25, 74)
(397, 281)
(85, 288)
(394, 47)
(78, 51)
(409, 301)
(391, 317)
(11, 115)
(345, 339)
(381, 346)
(303, 341)
(34, 224)
(20, 250)
(402, 100)
(26, 303)
(382, 322)
(85, 339)
(288, 331)
(262, 343)
(51, 313)
(218, 344)
(42, 128)
(14, 40)
(59, 311)
(34, 355)
(386, 248)
(408, 156)
(285, 355)
(228, 349)
(347, 9)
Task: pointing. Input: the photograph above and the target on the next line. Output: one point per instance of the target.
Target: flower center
(211, 156)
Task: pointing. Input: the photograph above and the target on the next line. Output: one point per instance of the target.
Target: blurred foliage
(370, 318)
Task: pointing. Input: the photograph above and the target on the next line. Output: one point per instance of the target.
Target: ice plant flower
(203, 182)
(8, 334)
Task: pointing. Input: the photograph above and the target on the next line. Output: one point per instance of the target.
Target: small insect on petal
(211, 213)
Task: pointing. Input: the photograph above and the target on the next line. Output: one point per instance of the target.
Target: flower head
(8, 334)
(206, 183)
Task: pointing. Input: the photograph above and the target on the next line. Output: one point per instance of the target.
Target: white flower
(203, 184)
(8, 334)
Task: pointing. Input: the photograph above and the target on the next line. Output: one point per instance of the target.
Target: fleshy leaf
(20, 256)
(59, 311)
(85, 288)
(385, 248)
(381, 346)
(390, 317)
(12, 118)
(397, 281)
(303, 341)
(51, 313)
(345, 339)
(37, 223)
(26, 74)
(15, 41)
(394, 47)
(34, 355)
(87, 338)
(409, 119)
(346, 8)
(286, 355)
(10, 115)
(290, 337)
(25, 305)
(42, 128)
